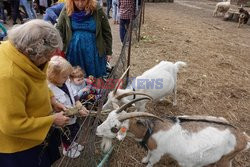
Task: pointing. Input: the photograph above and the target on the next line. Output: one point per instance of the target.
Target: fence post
(129, 46)
(139, 31)
(143, 7)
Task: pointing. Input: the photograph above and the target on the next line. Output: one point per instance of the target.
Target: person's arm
(61, 24)
(106, 32)
(14, 120)
(84, 91)
(50, 15)
(82, 110)
(3, 29)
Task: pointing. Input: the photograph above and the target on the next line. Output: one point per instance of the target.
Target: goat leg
(146, 159)
(239, 24)
(154, 158)
(175, 93)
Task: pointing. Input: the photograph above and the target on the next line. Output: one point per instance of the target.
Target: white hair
(35, 39)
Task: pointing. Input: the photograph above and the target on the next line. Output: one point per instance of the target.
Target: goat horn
(137, 114)
(120, 80)
(132, 93)
(123, 107)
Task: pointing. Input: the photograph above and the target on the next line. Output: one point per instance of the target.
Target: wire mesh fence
(92, 155)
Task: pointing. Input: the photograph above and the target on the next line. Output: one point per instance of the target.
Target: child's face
(62, 78)
(78, 81)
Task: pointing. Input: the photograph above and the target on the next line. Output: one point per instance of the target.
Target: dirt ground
(216, 81)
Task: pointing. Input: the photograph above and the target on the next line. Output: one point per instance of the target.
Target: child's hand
(56, 105)
(90, 80)
(85, 89)
(84, 112)
(78, 105)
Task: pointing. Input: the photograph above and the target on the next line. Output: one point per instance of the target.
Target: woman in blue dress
(86, 35)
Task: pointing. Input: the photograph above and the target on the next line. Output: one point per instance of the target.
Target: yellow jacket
(24, 102)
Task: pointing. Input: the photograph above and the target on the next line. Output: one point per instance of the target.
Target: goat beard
(106, 144)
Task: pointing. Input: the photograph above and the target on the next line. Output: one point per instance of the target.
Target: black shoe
(109, 17)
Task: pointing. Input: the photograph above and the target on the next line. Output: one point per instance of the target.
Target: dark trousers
(109, 5)
(27, 158)
(40, 9)
(2, 11)
(38, 156)
(15, 10)
(70, 132)
(124, 25)
(7, 6)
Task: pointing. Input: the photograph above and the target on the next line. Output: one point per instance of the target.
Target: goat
(193, 141)
(244, 16)
(159, 81)
(221, 7)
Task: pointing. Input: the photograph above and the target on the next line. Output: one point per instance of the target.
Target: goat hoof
(144, 160)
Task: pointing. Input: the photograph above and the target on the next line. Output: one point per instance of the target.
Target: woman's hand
(56, 105)
(60, 119)
(84, 112)
(109, 58)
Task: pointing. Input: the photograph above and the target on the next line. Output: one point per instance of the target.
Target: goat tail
(179, 64)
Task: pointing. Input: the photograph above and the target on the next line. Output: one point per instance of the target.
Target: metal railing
(91, 156)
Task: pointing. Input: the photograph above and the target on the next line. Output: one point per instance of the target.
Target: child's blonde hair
(58, 66)
(77, 72)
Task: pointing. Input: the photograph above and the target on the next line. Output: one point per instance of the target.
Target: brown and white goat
(244, 16)
(193, 141)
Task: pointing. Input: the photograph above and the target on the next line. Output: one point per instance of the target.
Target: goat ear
(115, 106)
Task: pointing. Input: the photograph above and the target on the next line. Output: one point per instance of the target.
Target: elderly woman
(26, 133)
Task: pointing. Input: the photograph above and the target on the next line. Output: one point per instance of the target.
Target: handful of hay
(74, 111)
(71, 111)
(103, 112)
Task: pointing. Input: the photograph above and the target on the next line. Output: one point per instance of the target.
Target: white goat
(221, 7)
(156, 82)
(193, 141)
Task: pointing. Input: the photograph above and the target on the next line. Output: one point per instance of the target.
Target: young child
(58, 73)
(83, 87)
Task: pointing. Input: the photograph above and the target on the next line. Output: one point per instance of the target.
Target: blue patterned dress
(82, 50)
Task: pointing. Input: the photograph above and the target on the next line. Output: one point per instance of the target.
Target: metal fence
(92, 155)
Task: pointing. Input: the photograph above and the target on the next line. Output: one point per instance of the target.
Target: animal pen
(92, 155)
